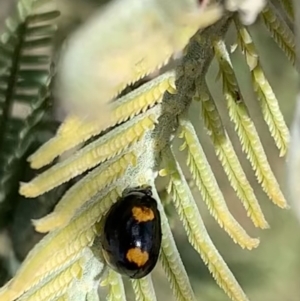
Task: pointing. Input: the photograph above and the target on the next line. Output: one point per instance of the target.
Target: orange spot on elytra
(137, 256)
(142, 214)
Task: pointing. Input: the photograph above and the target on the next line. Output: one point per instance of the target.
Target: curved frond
(171, 261)
(116, 287)
(245, 128)
(84, 286)
(143, 289)
(57, 286)
(196, 231)
(59, 248)
(289, 8)
(280, 32)
(208, 186)
(94, 153)
(267, 99)
(84, 190)
(228, 158)
(25, 76)
(67, 263)
(75, 130)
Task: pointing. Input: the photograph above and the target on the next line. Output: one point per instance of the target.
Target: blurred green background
(272, 271)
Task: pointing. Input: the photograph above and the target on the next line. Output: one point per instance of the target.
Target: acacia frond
(59, 248)
(129, 155)
(25, 75)
(116, 290)
(228, 158)
(208, 186)
(171, 261)
(84, 285)
(57, 286)
(143, 289)
(91, 155)
(267, 99)
(288, 6)
(84, 190)
(74, 130)
(280, 32)
(245, 128)
(196, 231)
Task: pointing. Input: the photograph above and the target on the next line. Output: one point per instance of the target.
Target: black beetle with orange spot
(131, 234)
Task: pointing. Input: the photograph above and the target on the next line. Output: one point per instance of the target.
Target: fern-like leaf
(288, 6)
(75, 130)
(207, 184)
(269, 104)
(245, 128)
(143, 289)
(116, 287)
(24, 79)
(58, 286)
(280, 32)
(88, 157)
(228, 158)
(84, 190)
(146, 121)
(171, 261)
(196, 232)
(67, 244)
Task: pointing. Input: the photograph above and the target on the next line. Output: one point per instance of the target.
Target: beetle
(131, 234)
